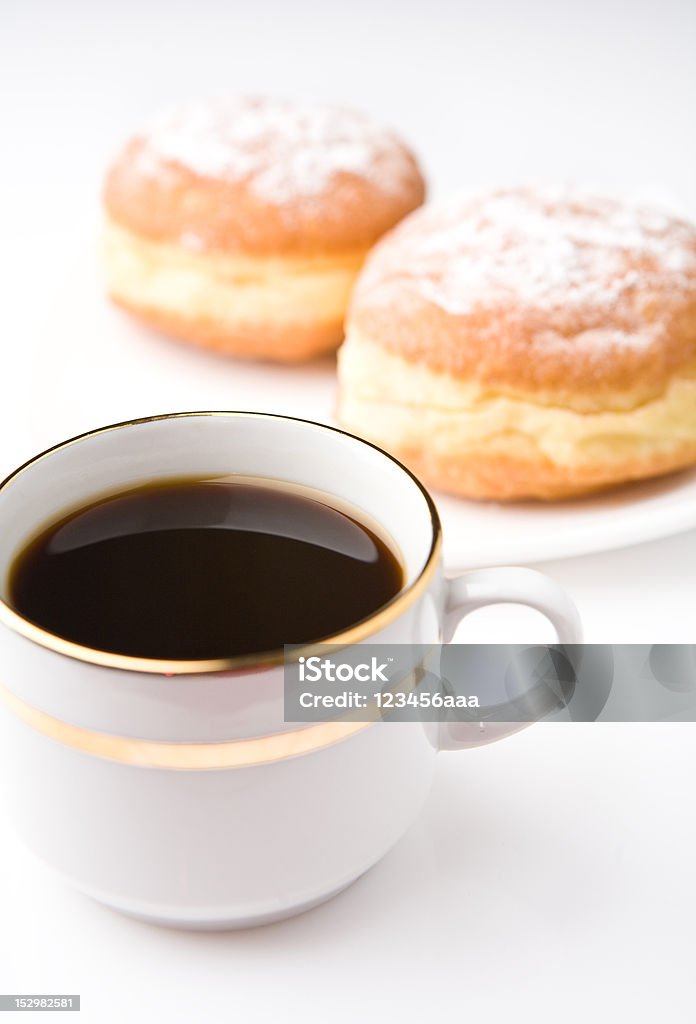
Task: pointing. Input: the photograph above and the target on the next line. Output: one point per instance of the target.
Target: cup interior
(216, 445)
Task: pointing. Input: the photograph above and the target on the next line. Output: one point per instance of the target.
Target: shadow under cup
(167, 788)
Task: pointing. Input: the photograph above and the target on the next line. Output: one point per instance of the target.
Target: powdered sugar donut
(527, 343)
(241, 224)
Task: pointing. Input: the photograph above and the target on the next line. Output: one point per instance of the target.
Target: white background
(551, 875)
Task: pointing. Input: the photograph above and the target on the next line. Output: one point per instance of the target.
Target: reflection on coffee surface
(195, 569)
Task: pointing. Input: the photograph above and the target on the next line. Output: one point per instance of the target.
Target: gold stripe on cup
(139, 753)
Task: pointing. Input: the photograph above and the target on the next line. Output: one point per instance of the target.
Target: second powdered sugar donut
(527, 343)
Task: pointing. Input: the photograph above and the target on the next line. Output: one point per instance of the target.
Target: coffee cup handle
(470, 591)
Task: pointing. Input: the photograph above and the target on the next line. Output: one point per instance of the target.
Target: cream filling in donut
(226, 291)
(408, 406)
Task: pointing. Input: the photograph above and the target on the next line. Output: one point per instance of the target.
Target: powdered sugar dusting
(592, 264)
(281, 150)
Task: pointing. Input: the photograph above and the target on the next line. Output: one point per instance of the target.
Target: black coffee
(197, 569)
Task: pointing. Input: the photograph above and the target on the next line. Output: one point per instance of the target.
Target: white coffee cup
(175, 791)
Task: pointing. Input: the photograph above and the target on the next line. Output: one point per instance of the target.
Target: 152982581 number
(16, 1002)
(43, 1003)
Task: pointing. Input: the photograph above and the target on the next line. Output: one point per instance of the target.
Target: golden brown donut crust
(263, 177)
(505, 478)
(484, 444)
(289, 343)
(532, 291)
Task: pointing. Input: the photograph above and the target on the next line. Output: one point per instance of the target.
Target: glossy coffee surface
(195, 569)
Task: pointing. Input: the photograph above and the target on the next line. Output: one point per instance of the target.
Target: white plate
(95, 366)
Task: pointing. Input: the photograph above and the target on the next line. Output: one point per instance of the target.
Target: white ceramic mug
(175, 791)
